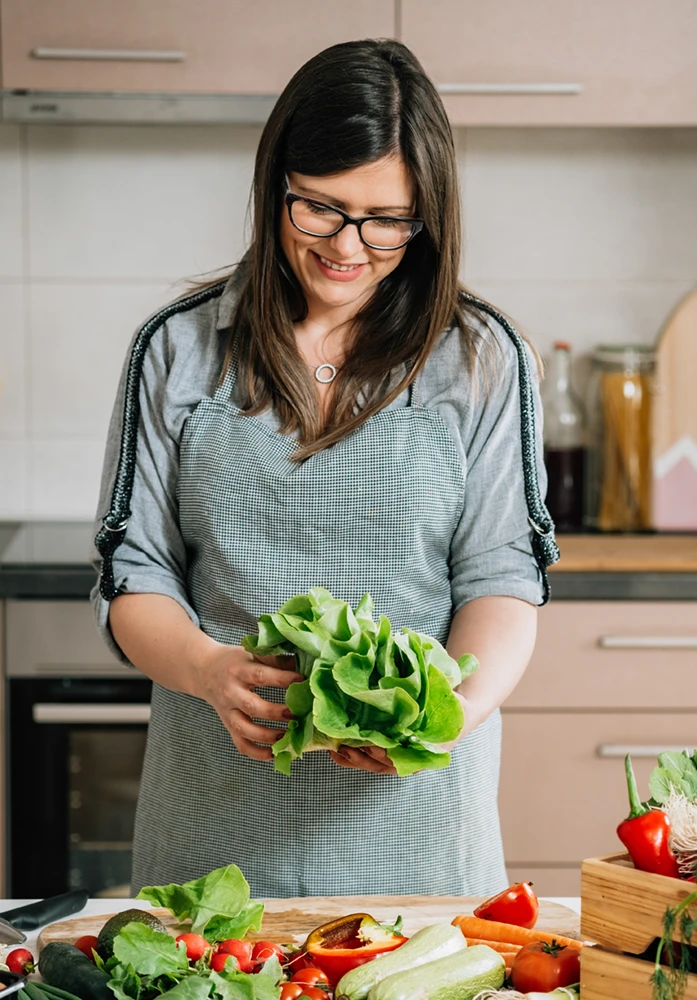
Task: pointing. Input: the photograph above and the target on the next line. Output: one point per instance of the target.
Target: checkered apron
(375, 513)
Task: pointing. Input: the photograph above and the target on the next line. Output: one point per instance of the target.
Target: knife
(45, 911)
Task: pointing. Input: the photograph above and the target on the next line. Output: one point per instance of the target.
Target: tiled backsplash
(582, 234)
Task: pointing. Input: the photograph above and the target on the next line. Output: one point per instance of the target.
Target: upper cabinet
(559, 62)
(175, 46)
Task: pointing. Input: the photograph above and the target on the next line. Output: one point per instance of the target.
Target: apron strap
(544, 546)
(115, 521)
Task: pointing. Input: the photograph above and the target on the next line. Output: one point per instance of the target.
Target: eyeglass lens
(317, 220)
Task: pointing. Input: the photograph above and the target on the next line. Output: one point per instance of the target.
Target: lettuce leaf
(366, 685)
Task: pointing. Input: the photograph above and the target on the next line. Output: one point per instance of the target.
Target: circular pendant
(321, 368)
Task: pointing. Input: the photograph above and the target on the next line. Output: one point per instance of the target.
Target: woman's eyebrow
(342, 204)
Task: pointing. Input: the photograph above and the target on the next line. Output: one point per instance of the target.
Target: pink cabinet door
(166, 46)
(545, 62)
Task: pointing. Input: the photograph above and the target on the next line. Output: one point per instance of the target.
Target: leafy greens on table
(676, 773)
(365, 684)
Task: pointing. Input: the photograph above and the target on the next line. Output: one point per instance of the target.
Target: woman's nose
(346, 243)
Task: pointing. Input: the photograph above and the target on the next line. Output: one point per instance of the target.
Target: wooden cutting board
(291, 920)
(674, 422)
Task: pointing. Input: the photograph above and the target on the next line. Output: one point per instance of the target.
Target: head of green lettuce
(365, 684)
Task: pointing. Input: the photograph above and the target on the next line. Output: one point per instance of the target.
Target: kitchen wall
(582, 234)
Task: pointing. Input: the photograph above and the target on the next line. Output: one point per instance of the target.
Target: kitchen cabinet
(170, 46)
(579, 62)
(606, 678)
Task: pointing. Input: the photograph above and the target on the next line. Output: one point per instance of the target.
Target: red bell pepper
(347, 942)
(646, 832)
(515, 905)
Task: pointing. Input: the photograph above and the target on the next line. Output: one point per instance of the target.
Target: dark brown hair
(350, 105)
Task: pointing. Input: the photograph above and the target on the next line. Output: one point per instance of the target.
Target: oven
(76, 729)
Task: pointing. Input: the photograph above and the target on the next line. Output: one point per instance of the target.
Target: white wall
(585, 235)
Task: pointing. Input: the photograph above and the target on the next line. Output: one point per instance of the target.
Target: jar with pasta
(620, 399)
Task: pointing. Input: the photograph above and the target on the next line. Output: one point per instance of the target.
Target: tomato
(87, 944)
(310, 977)
(291, 991)
(515, 905)
(545, 967)
(264, 950)
(242, 950)
(219, 958)
(20, 960)
(312, 992)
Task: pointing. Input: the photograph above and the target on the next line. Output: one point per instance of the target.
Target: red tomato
(545, 967)
(515, 905)
(312, 992)
(242, 950)
(196, 946)
(219, 958)
(264, 950)
(87, 944)
(291, 991)
(310, 977)
(20, 960)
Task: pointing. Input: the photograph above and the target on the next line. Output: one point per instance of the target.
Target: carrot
(492, 930)
(503, 947)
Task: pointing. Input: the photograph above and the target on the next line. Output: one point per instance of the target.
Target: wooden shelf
(627, 554)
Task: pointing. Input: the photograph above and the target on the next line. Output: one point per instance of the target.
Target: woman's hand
(228, 676)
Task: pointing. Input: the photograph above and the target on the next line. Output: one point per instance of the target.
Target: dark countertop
(50, 561)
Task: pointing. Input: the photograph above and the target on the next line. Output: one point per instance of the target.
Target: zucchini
(426, 945)
(63, 965)
(458, 977)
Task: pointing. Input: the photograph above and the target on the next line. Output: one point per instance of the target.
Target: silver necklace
(325, 366)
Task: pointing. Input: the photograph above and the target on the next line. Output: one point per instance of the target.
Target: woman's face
(380, 188)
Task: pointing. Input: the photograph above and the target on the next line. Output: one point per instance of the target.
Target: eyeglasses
(379, 232)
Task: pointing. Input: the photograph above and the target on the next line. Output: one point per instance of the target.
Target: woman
(337, 413)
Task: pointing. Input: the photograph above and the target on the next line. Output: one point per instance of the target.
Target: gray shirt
(491, 551)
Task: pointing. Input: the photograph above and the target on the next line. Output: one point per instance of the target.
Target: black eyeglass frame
(349, 220)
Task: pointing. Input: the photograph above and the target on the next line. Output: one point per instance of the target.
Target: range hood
(114, 108)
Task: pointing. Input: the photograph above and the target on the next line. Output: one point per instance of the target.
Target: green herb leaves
(676, 772)
(218, 904)
(366, 686)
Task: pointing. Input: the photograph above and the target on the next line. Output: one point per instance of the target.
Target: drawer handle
(81, 714)
(648, 641)
(111, 55)
(611, 750)
(533, 89)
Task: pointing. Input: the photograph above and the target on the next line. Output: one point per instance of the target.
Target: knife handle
(45, 911)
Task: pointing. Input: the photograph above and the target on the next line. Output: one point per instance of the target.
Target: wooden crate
(622, 910)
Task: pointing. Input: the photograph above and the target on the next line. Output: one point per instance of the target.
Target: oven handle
(81, 714)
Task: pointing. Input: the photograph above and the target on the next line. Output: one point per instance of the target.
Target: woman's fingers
(283, 662)
(256, 674)
(354, 758)
(239, 725)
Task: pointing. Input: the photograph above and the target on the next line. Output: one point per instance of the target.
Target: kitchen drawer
(165, 46)
(560, 800)
(549, 881)
(606, 654)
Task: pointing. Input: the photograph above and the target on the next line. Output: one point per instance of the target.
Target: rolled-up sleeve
(152, 557)
(491, 550)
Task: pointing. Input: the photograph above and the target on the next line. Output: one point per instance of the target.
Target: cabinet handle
(510, 88)
(81, 714)
(648, 641)
(106, 55)
(612, 750)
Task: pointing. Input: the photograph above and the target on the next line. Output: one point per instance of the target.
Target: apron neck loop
(414, 393)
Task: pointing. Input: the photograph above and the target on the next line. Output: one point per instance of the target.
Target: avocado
(115, 924)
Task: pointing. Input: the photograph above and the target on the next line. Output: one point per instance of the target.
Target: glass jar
(564, 442)
(619, 409)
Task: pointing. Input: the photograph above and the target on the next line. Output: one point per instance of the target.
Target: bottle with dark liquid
(564, 442)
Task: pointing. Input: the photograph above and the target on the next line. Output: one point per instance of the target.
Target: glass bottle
(564, 442)
(619, 468)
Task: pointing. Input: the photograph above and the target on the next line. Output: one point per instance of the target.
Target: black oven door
(76, 755)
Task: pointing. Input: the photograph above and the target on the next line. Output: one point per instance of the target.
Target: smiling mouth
(338, 267)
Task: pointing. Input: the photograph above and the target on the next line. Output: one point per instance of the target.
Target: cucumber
(458, 977)
(63, 965)
(426, 945)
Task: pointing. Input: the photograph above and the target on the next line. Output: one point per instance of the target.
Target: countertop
(50, 561)
(97, 906)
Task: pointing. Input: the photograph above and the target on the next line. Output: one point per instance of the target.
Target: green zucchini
(458, 977)
(63, 965)
(426, 945)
